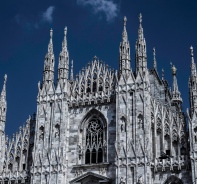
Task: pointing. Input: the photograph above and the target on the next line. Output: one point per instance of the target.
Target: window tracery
(95, 142)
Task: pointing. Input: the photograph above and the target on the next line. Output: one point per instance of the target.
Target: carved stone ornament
(122, 180)
(80, 152)
(140, 180)
(103, 170)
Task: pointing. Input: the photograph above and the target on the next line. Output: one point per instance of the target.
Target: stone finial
(50, 46)
(174, 70)
(5, 78)
(192, 51)
(140, 18)
(51, 33)
(176, 95)
(125, 21)
(65, 31)
(124, 33)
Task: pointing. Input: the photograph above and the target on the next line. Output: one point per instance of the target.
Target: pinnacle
(140, 18)
(65, 30)
(192, 51)
(51, 32)
(125, 20)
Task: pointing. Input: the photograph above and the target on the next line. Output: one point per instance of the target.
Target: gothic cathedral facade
(104, 126)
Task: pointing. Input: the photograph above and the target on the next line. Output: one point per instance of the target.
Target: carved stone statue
(80, 152)
(105, 147)
(122, 180)
(140, 180)
(41, 137)
(140, 123)
(57, 134)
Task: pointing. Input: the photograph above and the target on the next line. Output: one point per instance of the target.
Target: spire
(154, 59)
(193, 65)
(49, 62)
(140, 30)
(124, 62)
(124, 33)
(50, 45)
(176, 95)
(71, 71)
(63, 67)
(64, 43)
(3, 92)
(141, 56)
(192, 83)
(3, 110)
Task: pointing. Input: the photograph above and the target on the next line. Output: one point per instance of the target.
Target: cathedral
(104, 126)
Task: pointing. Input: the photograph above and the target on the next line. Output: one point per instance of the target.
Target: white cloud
(48, 14)
(108, 7)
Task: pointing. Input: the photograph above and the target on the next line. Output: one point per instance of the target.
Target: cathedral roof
(96, 82)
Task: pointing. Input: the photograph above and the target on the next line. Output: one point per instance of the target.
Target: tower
(51, 138)
(192, 84)
(140, 49)
(124, 63)
(192, 116)
(63, 67)
(48, 73)
(3, 110)
(133, 140)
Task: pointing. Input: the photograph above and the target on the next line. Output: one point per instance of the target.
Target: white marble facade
(104, 126)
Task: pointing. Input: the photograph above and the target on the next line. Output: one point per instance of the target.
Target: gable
(90, 177)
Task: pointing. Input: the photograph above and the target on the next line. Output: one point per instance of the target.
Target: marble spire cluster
(104, 126)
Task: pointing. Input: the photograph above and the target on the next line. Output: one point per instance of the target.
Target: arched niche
(123, 124)
(93, 138)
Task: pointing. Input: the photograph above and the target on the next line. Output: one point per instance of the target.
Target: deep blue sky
(93, 29)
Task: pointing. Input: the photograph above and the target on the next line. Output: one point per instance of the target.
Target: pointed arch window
(95, 141)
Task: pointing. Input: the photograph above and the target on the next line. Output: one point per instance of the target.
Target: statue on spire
(125, 21)
(176, 95)
(124, 33)
(50, 46)
(173, 69)
(192, 51)
(140, 18)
